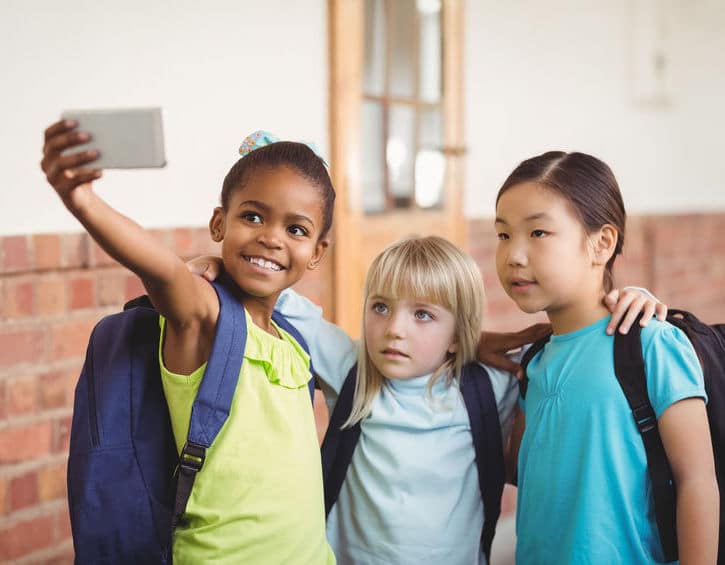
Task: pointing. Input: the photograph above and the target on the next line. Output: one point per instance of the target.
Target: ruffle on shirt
(283, 360)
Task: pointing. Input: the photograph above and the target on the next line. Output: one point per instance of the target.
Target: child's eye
(379, 308)
(423, 315)
(297, 230)
(251, 217)
(502, 236)
(538, 233)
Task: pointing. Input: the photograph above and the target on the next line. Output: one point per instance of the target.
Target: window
(403, 163)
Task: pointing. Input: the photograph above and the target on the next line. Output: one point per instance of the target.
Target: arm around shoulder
(332, 351)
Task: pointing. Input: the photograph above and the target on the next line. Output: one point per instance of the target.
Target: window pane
(399, 154)
(430, 168)
(374, 67)
(403, 26)
(429, 86)
(430, 163)
(431, 128)
(373, 160)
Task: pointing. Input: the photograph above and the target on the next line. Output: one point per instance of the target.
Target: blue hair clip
(261, 138)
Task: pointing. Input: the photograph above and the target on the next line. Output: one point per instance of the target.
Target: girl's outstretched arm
(686, 438)
(183, 299)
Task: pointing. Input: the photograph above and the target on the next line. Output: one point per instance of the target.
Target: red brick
(54, 389)
(204, 244)
(111, 287)
(21, 346)
(52, 482)
(61, 435)
(22, 443)
(23, 491)
(3, 497)
(63, 556)
(51, 298)
(134, 287)
(98, 257)
(47, 250)
(27, 536)
(63, 527)
(18, 296)
(82, 292)
(76, 250)
(183, 243)
(21, 395)
(15, 253)
(69, 339)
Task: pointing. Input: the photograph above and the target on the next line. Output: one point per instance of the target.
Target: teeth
(264, 264)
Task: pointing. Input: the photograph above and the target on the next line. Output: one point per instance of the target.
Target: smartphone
(130, 138)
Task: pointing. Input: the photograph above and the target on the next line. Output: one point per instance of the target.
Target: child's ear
(320, 250)
(604, 243)
(453, 347)
(216, 224)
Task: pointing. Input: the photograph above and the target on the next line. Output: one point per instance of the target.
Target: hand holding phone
(129, 138)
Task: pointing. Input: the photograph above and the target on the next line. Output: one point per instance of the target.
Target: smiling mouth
(263, 263)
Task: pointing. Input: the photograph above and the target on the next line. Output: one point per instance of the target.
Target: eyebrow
(417, 304)
(537, 216)
(265, 208)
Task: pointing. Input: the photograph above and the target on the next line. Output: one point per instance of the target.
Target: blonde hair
(430, 269)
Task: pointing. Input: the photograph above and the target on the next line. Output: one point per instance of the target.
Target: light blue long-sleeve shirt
(411, 494)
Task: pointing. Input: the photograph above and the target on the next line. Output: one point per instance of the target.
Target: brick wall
(53, 289)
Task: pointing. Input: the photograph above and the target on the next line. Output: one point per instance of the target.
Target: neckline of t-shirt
(414, 385)
(598, 325)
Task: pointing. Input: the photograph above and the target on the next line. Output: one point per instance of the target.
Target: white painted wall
(219, 70)
(539, 75)
(558, 75)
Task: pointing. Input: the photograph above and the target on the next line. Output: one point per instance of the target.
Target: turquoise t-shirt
(584, 493)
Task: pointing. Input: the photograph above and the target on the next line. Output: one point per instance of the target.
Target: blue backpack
(339, 444)
(127, 486)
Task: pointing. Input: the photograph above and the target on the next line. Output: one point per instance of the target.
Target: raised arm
(182, 298)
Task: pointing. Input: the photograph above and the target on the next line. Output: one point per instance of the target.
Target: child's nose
(270, 236)
(517, 254)
(396, 327)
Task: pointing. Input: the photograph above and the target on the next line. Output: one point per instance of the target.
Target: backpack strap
(529, 354)
(480, 401)
(339, 444)
(216, 391)
(630, 371)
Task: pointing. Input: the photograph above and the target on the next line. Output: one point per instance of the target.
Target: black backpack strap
(214, 399)
(284, 323)
(339, 444)
(480, 401)
(631, 374)
(529, 354)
